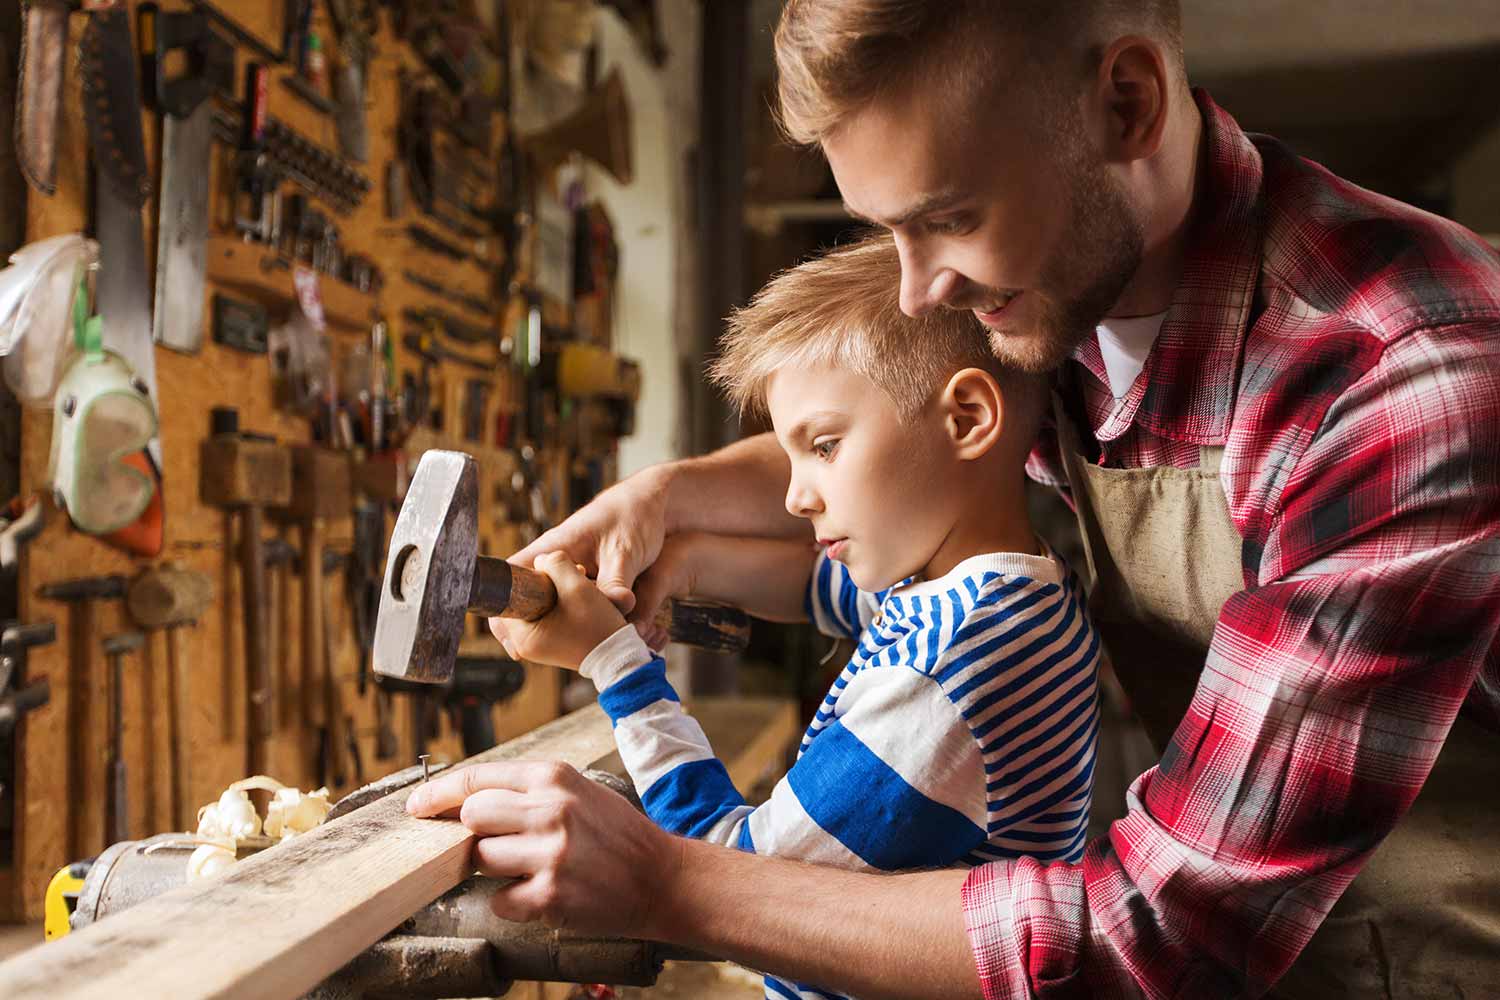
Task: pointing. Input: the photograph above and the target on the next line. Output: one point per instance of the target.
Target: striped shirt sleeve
(895, 782)
(834, 604)
(1023, 671)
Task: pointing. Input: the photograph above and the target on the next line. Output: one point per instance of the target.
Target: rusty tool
(117, 813)
(169, 597)
(246, 474)
(434, 575)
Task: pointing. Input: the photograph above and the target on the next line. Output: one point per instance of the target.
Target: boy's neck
(999, 522)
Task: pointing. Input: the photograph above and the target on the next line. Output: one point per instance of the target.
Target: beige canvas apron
(1422, 919)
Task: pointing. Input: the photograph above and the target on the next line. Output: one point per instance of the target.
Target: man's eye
(825, 449)
(945, 227)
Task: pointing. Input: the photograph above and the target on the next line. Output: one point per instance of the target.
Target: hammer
(434, 575)
(320, 493)
(247, 474)
(168, 598)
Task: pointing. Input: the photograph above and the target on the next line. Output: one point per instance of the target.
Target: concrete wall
(652, 218)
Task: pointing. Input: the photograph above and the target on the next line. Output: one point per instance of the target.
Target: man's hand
(673, 574)
(584, 858)
(583, 618)
(738, 490)
(613, 537)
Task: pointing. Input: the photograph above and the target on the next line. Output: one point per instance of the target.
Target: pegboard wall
(462, 309)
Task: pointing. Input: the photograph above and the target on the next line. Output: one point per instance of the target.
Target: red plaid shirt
(1345, 349)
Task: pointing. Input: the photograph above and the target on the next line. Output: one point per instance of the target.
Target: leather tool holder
(44, 43)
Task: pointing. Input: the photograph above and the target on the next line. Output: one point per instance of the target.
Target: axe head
(429, 571)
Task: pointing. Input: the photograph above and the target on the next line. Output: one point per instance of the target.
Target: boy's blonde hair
(842, 310)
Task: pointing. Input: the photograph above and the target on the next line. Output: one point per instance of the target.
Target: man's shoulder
(1338, 258)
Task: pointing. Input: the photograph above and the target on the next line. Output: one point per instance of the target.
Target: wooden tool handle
(510, 591)
(517, 592)
(260, 696)
(179, 700)
(707, 626)
(312, 623)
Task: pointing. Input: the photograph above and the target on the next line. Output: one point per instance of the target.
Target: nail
(423, 759)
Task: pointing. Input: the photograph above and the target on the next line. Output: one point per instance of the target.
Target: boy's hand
(583, 618)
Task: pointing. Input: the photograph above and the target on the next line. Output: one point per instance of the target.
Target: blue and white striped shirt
(963, 729)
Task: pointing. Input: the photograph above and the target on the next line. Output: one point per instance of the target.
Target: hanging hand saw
(187, 132)
(112, 109)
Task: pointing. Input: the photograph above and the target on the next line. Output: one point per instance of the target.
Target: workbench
(322, 897)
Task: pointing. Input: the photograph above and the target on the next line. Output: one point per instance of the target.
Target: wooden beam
(278, 923)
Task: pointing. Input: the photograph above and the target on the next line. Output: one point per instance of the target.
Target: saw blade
(182, 233)
(112, 104)
(112, 107)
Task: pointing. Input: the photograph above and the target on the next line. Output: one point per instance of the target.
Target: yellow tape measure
(62, 897)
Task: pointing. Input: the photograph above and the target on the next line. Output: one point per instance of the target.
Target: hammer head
(429, 571)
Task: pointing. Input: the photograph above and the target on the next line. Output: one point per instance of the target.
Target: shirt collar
(1186, 390)
(1044, 568)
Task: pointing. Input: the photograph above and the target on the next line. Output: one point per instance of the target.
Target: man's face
(994, 210)
(878, 490)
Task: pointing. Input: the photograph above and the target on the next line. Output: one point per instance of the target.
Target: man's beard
(1083, 279)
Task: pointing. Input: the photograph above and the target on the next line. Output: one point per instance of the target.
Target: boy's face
(879, 491)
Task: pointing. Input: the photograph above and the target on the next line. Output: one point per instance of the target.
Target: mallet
(434, 576)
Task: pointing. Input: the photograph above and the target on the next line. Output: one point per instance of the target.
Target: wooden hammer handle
(510, 591)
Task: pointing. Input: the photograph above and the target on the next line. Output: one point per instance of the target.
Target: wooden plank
(280, 922)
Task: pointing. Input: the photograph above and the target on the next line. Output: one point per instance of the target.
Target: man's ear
(973, 413)
(1134, 93)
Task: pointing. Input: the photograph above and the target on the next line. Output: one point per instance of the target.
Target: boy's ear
(973, 412)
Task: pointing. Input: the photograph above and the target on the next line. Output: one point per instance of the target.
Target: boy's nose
(800, 501)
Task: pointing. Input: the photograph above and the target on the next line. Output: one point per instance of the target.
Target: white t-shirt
(1124, 343)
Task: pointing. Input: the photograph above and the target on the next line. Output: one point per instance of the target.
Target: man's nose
(801, 501)
(924, 288)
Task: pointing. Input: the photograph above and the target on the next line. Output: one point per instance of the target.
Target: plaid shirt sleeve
(1328, 691)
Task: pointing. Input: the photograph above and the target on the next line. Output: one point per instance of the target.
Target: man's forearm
(871, 936)
(738, 490)
(767, 577)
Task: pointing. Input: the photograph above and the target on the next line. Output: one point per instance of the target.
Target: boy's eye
(824, 449)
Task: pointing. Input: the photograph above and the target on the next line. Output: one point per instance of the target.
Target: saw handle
(510, 591)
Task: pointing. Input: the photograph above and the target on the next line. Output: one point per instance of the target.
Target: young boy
(964, 727)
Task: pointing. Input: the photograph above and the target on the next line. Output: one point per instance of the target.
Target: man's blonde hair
(834, 56)
(842, 310)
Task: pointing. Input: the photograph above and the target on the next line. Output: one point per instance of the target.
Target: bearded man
(1277, 416)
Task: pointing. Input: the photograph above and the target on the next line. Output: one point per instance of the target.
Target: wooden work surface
(198, 535)
(317, 900)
